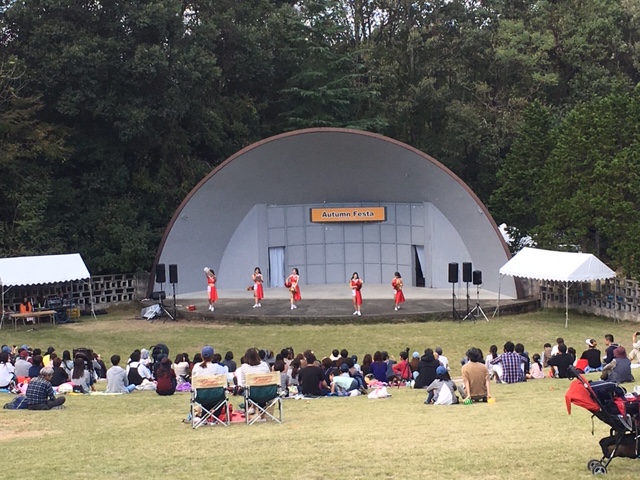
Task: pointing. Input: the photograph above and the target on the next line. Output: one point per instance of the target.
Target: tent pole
(2, 319)
(566, 305)
(93, 312)
(615, 299)
(497, 310)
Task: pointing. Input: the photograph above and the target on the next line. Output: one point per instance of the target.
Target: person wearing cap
(593, 356)
(442, 380)
(619, 369)
(40, 394)
(22, 365)
(413, 364)
(208, 367)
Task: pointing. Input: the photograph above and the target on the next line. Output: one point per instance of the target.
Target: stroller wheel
(591, 464)
(599, 469)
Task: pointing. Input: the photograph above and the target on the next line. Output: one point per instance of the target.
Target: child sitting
(443, 380)
(536, 368)
(341, 382)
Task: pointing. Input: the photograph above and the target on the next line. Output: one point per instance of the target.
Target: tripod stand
(477, 310)
(161, 295)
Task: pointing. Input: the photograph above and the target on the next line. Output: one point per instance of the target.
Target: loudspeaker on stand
(161, 273)
(173, 273)
(453, 272)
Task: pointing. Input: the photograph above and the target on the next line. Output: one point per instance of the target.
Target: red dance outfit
(396, 283)
(293, 279)
(258, 291)
(356, 285)
(211, 287)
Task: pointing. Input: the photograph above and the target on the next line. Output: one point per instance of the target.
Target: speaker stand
(477, 310)
(454, 313)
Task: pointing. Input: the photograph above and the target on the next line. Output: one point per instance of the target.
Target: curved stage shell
(255, 210)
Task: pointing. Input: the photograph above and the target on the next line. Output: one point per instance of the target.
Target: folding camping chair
(262, 392)
(208, 396)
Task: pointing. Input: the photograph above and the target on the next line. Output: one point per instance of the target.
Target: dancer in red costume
(356, 294)
(396, 283)
(211, 287)
(294, 289)
(258, 291)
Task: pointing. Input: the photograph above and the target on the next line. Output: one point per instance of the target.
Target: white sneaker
(259, 304)
(255, 305)
(395, 308)
(210, 308)
(355, 313)
(359, 314)
(292, 307)
(213, 309)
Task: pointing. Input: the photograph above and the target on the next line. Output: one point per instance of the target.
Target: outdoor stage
(332, 304)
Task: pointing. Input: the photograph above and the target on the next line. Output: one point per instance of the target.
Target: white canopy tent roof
(42, 269)
(567, 267)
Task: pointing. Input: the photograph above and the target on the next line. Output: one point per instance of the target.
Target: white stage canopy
(20, 271)
(548, 265)
(42, 269)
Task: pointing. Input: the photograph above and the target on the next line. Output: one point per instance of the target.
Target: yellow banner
(354, 214)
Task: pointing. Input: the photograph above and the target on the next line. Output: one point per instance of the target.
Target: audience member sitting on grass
(634, 354)
(252, 364)
(402, 369)
(545, 355)
(341, 381)
(556, 348)
(444, 361)
(511, 364)
(67, 363)
(117, 381)
(40, 394)
(593, 356)
(22, 365)
(181, 368)
(526, 361)
(475, 378)
(166, 382)
(136, 371)
(426, 369)
(561, 362)
(443, 380)
(536, 371)
(36, 366)
(293, 371)
(229, 362)
(365, 368)
(619, 369)
(81, 377)
(611, 346)
(495, 371)
(59, 374)
(312, 382)
(379, 367)
(7, 375)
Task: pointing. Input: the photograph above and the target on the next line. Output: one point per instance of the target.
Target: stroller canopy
(579, 394)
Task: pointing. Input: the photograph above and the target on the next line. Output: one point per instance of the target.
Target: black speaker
(161, 273)
(453, 273)
(466, 272)
(173, 273)
(477, 277)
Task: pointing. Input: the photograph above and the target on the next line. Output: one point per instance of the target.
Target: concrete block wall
(107, 290)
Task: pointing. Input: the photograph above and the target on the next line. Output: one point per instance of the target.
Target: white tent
(566, 267)
(42, 269)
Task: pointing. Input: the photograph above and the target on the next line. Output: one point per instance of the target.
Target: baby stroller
(610, 403)
(157, 353)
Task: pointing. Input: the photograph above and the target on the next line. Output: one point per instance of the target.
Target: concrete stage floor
(332, 303)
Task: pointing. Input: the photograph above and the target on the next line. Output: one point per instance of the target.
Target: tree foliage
(113, 110)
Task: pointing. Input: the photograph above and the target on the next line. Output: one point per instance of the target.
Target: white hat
(590, 342)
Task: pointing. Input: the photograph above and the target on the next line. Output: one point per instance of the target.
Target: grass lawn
(525, 434)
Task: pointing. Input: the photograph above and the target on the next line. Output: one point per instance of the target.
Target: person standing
(211, 287)
(292, 284)
(258, 290)
(356, 293)
(397, 284)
